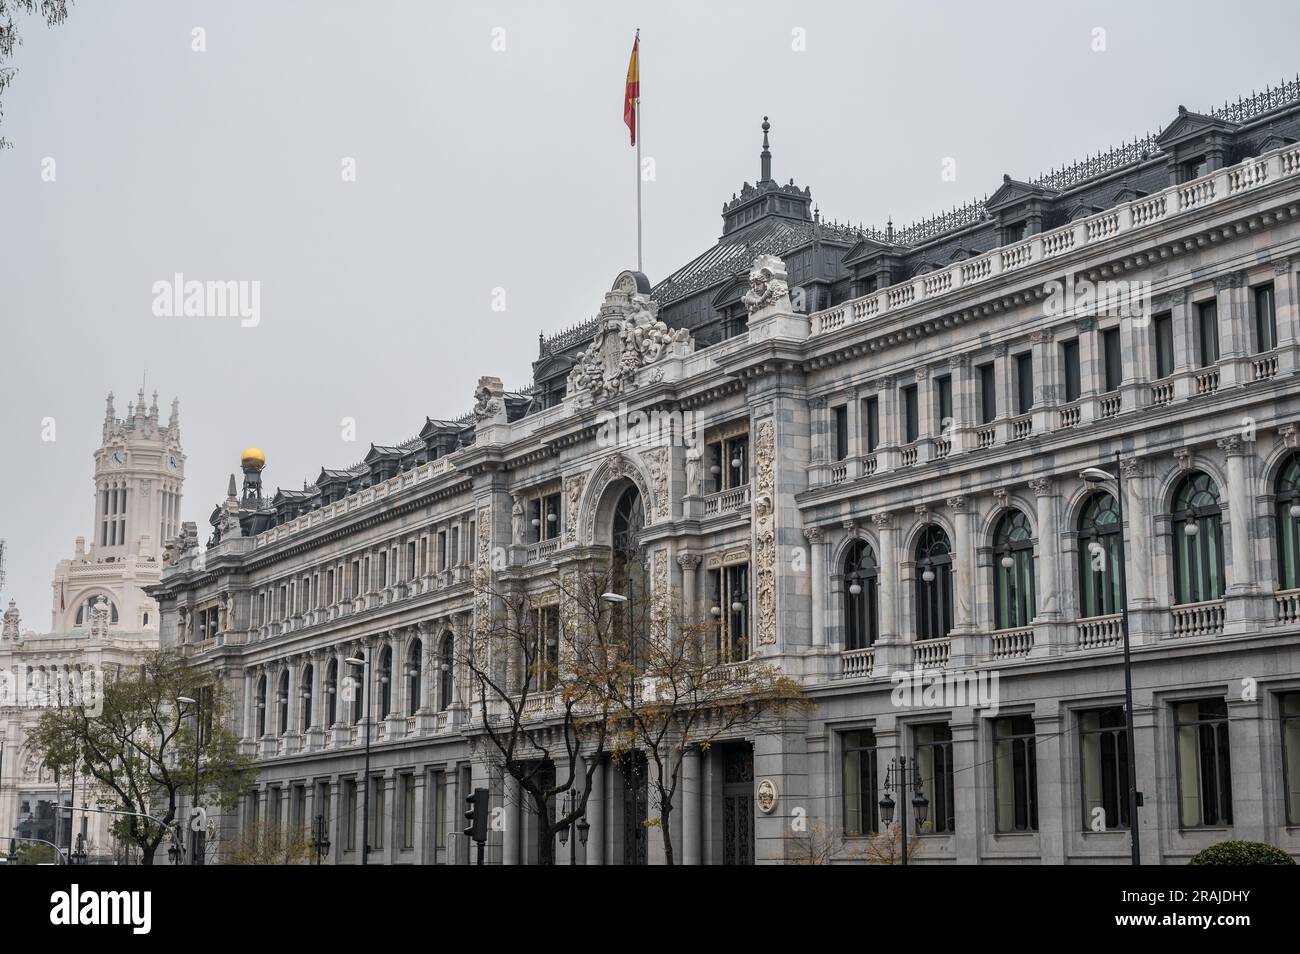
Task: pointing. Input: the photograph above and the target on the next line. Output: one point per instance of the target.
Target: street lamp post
(1096, 477)
(196, 836)
(568, 835)
(363, 663)
(920, 804)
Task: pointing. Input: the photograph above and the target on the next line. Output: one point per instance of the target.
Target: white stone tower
(139, 472)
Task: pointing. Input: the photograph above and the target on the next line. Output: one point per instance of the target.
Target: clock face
(117, 458)
(171, 462)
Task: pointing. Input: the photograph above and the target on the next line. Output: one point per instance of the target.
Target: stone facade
(915, 449)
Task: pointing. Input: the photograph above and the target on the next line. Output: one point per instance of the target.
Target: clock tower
(139, 472)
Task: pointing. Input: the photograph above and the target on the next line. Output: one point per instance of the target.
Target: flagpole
(636, 105)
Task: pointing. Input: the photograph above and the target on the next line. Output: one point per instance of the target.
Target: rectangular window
(1103, 752)
(1204, 764)
(1114, 360)
(1162, 334)
(1024, 382)
(871, 423)
(933, 754)
(911, 415)
(861, 784)
(988, 394)
(1207, 333)
(410, 560)
(438, 823)
(350, 813)
(1290, 705)
(454, 552)
(1015, 774)
(442, 550)
(943, 400)
(1265, 319)
(1070, 369)
(841, 432)
(550, 516)
(729, 609)
(729, 462)
(408, 811)
(377, 813)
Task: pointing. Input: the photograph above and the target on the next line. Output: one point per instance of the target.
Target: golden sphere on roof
(253, 458)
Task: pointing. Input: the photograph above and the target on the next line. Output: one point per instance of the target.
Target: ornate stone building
(101, 620)
(881, 494)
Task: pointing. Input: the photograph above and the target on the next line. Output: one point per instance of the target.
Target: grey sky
(476, 170)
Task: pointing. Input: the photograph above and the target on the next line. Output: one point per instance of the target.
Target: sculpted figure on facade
(630, 337)
(694, 457)
(487, 398)
(765, 531)
(768, 284)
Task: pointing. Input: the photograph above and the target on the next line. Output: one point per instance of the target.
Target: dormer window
(1014, 232)
(1195, 168)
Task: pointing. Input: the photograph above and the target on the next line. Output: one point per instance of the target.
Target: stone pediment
(630, 337)
(1191, 125)
(1013, 191)
(866, 249)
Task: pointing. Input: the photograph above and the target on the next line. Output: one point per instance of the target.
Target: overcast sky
(478, 169)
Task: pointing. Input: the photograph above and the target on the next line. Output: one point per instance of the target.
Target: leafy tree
(53, 12)
(141, 747)
(1241, 853)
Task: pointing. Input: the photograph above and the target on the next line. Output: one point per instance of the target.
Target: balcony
(1071, 415)
(1198, 619)
(1162, 392)
(1011, 643)
(1207, 381)
(908, 455)
(727, 501)
(857, 663)
(1108, 406)
(1265, 366)
(931, 653)
(1022, 427)
(1096, 632)
(542, 550)
(1288, 606)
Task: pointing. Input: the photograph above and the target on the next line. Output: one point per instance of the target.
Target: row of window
(374, 569)
(352, 690)
(1197, 536)
(1203, 770)
(1205, 335)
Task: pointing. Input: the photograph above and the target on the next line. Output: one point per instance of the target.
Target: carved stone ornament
(765, 530)
(487, 398)
(657, 463)
(768, 284)
(766, 796)
(630, 337)
(572, 498)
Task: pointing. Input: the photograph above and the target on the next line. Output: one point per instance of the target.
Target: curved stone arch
(835, 565)
(913, 534)
(1169, 481)
(597, 504)
(88, 593)
(1271, 466)
(989, 520)
(1075, 503)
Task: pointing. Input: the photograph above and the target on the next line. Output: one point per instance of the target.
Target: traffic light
(477, 815)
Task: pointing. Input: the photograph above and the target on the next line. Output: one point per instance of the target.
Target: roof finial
(766, 154)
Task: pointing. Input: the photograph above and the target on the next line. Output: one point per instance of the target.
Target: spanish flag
(633, 91)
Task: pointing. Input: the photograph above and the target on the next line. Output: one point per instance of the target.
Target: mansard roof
(1191, 125)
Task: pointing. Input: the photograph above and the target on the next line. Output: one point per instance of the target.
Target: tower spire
(766, 155)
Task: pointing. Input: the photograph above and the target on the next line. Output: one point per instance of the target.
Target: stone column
(1048, 578)
(428, 679)
(690, 799)
(1288, 316)
(963, 564)
(689, 563)
(963, 403)
(250, 715)
(925, 429)
(1254, 816)
(817, 584)
(420, 837)
(1005, 385)
(336, 821)
(596, 816)
(1046, 393)
(887, 411)
(1232, 300)
(512, 817)
(967, 776)
(1091, 369)
(891, 654)
(1140, 532)
(1053, 747)
(1245, 608)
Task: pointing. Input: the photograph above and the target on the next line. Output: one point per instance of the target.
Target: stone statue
(99, 618)
(767, 284)
(487, 398)
(517, 522)
(694, 457)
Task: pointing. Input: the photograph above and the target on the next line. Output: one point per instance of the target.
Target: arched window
(1288, 525)
(331, 692)
(861, 617)
(445, 672)
(85, 610)
(1013, 571)
(1198, 540)
(282, 697)
(308, 687)
(629, 573)
(1099, 543)
(385, 682)
(933, 584)
(260, 703)
(413, 662)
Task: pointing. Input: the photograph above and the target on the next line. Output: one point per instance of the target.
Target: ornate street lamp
(920, 804)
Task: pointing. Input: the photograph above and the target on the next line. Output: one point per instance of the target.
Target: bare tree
(536, 671)
(53, 12)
